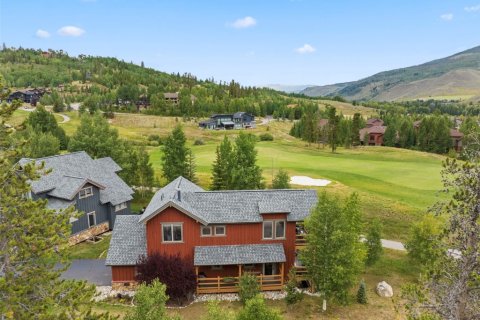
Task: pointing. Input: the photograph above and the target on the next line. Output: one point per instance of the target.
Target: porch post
(239, 270)
(282, 272)
(196, 273)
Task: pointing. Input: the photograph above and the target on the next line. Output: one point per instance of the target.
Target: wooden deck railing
(230, 284)
(301, 272)
(300, 240)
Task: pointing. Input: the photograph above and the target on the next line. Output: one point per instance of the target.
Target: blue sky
(253, 42)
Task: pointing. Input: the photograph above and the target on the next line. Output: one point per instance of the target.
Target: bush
(198, 142)
(175, 272)
(374, 243)
(215, 312)
(248, 287)
(265, 137)
(293, 295)
(255, 309)
(150, 302)
(362, 293)
(422, 244)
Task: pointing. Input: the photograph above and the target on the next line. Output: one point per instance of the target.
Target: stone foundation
(124, 286)
(89, 233)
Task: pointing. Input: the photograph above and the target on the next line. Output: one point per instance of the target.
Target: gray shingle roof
(59, 204)
(71, 171)
(238, 254)
(231, 206)
(128, 241)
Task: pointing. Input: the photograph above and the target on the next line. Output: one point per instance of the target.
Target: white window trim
(120, 206)
(172, 224)
(206, 235)
(224, 234)
(274, 223)
(86, 195)
(94, 214)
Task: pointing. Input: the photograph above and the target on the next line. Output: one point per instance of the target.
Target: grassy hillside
(457, 76)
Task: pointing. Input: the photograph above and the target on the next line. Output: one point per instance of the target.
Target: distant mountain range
(453, 77)
(288, 88)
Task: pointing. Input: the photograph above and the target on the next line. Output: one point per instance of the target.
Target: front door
(269, 269)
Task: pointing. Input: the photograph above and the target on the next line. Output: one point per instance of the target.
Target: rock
(384, 290)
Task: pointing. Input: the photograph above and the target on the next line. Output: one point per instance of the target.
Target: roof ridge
(67, 175)
(258, 190)
(56, 155)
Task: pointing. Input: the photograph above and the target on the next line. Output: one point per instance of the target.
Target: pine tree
(191, 167)
(223, 166)
(356, 126)
(246, 174)
(362, 293)
(174, 159)
(333, 121)
(390, 136)
(293, 295)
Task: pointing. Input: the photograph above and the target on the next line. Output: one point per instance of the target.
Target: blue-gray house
(238, 120)
(91, 185)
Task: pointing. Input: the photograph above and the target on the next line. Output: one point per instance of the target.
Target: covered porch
(218, 268)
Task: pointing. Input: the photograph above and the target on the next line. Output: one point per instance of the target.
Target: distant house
(28, 96)
(222, 233)
(91, 186)
(455, 135)
(373, 135)
(238, 120)
(174, 98)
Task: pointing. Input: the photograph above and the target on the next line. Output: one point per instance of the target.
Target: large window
(92, 219)
(274, 229)
(120, 206)
(85, 192)
(172, 232)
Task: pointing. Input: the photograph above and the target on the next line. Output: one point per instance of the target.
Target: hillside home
(223, 234)
(174, 98)
(373, 135)
(238, 120)
(374, 122)
(28, 96)
(91, 186)
(455, 135)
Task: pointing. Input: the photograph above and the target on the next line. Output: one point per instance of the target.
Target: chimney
(179, 194)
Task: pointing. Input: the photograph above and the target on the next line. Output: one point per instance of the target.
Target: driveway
(93, 270)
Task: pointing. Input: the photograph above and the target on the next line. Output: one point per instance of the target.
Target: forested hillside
(114, 85)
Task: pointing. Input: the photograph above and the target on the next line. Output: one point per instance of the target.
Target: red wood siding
(123, 273)
(235, 234)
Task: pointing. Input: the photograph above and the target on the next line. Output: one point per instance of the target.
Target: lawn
(89, 250)
(394, 267)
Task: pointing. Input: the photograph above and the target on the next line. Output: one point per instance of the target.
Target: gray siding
(103, 212)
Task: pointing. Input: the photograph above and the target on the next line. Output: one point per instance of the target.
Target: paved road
(389, 244)
(93, 270)
(65, 117)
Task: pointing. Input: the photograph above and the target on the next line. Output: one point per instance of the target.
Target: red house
(223, 233)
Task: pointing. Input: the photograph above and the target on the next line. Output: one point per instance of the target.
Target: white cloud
(306, 48)
(71, 31)
(473, 8)
(243, 23)
(42, 34)
(447, 17)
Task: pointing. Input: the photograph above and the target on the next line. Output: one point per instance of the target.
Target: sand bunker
(307, 181)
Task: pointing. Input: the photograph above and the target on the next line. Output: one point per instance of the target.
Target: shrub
(150, 302)
(293, 295)
(215, 312)
(198, 142)
(255, 309)
(362, 293)
(175, 272)
(248, 287)
(265, 137)
(374, 243)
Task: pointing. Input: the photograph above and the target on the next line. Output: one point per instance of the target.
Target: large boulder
(384, 290)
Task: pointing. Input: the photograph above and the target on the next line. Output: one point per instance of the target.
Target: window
(85, 192)
(280, 229)
(172, 232)
(92, 219)
(120, 206)
(268, 230)
(205, 231)
(274, 229)
(219, 230)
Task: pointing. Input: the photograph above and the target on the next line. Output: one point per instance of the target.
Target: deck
(230, 284)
